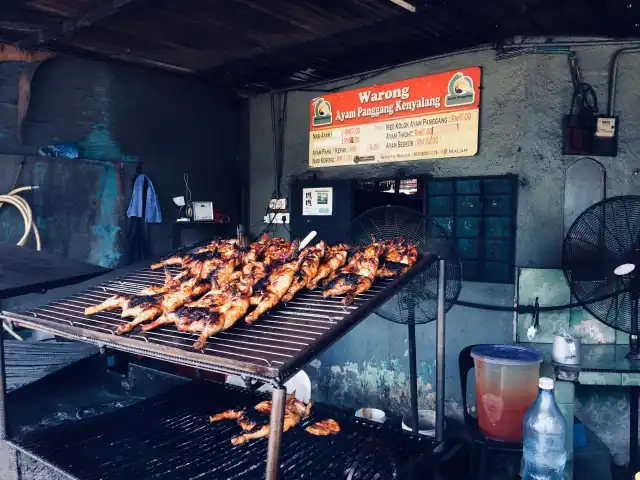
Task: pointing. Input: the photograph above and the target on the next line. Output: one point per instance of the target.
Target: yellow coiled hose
(12, 198)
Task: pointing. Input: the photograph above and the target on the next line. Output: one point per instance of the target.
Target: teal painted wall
(118, 116)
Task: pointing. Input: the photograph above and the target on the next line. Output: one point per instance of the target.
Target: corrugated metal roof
(264, 44)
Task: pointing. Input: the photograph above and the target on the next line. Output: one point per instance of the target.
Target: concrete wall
(522, 103)
(172, 124)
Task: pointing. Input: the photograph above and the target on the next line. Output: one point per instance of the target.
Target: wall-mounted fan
(601, 262)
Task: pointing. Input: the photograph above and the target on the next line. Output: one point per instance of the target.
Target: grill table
(272, 350)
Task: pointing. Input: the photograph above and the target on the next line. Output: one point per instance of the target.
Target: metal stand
(440, 337)
(634, 340)
(413, 368)
(440, 340)
(276, 425)
(633, 434)
(4, 424)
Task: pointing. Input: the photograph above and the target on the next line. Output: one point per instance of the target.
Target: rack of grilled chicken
(222, 282)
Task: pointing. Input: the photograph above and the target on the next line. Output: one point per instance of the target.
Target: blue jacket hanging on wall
(148, 207)
(144, 209)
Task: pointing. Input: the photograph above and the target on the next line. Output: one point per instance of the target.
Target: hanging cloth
(138, 207)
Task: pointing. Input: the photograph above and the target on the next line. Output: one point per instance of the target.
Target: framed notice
(317, 201)
(421, 118)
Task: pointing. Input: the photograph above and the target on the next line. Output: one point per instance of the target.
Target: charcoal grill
(168, 438)
(272, 350)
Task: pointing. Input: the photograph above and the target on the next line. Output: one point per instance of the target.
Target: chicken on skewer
(218, 310)
(308, 270)
(166, 302)
(234, 304)
(122, 300)
(193, 316)
(357, 277)
(294, 412)
(277, 285)
(334, 258)
(399, 256)
(181, 260)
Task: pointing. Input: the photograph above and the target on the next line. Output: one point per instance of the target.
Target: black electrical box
(587, 134)
(325, 206)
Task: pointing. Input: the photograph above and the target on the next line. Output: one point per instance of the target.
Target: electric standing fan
(601, 262)
(418, 302)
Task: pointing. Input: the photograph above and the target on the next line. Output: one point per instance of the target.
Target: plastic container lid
(506, 354)
(546, 383)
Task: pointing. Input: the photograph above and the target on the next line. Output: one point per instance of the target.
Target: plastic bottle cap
(546, 383)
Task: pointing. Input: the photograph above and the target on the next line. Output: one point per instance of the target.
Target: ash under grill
(274, 347)
(169, 437)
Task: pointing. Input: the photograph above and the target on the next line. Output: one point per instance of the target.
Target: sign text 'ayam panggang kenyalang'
(421, 118)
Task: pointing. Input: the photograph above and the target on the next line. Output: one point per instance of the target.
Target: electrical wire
(12, 198)
(274, 145)
(187, 191)
(532, 309)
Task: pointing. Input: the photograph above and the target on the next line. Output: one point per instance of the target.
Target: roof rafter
(65, 28)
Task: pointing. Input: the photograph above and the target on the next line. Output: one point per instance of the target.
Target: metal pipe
(613, 75)
(4, 424)
(440, 338)
(276, 425)
(413, 373)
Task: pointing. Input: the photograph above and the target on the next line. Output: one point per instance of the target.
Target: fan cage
(603, 237)
(416, 303)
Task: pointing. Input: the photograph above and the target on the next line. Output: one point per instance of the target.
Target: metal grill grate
(169, 437)
(275, 347)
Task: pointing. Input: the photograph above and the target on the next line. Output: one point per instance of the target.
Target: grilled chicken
(264, 407)
(308, 270)
(227, 415)
(234, 303)
(162, 303)
(334, 258)
(246, 424)
(399, 256)
(122, 300)
(324, 427)
(111, 303)
(357, 276)
(202, 253)
(277, 285)
(294, 412)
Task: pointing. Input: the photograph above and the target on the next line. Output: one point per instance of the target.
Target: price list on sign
(422, 118)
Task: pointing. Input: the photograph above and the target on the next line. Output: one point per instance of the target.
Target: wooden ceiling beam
(65, 28)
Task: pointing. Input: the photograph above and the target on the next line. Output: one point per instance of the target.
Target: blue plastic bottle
(545, 433)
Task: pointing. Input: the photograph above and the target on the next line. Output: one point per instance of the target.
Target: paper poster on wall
(317, 201)
(436, 116)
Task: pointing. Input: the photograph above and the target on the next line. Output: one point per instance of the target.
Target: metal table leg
(633, 444)
(440, 358)
(413, 377)
(4, 424)
(278, 399)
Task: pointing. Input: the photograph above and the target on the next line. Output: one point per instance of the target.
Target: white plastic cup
(426, 423)
(372, 414)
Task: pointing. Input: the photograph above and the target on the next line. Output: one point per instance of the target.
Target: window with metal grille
(480, 215)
